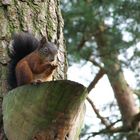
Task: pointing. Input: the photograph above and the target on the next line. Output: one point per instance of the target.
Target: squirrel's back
(22, 45)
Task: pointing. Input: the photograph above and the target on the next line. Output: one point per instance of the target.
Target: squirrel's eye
(46, 50)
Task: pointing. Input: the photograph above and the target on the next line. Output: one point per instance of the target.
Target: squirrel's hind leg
(23, 74)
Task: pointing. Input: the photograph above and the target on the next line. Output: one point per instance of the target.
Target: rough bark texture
(122, 91)
(37, 16)
(48, 111)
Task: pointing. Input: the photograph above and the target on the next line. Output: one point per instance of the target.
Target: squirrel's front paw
(54, 66)
(36, 82)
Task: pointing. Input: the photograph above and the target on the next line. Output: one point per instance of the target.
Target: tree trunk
(38, 17)
(122, 91)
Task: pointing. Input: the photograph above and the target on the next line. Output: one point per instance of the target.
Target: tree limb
(109, 131)
(121, 129)
(135, 121)
(81, 43)
(95, 63)
(103, 120)
(96, 79)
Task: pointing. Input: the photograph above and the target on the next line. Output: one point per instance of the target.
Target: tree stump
(47, 111)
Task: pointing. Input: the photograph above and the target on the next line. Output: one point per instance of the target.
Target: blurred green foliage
(119, 20)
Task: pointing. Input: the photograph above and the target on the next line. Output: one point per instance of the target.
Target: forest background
(102, 39)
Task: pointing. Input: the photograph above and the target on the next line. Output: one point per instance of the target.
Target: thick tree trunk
(122, 91)
(38, 17)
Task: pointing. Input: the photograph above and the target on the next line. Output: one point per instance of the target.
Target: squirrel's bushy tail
(23, 44)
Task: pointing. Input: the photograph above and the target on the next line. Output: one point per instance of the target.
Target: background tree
(103, 32)
(38, 17)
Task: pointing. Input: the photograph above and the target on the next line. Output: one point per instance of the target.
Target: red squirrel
(32, 61)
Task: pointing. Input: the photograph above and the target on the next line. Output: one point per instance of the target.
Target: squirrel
(32, 61)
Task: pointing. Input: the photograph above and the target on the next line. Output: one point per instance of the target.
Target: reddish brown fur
(33, 68)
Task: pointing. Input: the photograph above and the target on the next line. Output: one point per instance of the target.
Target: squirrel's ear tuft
(43, 40)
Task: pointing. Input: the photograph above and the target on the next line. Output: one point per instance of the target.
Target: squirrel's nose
(52, 59)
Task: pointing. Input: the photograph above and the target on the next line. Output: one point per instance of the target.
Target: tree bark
(122, 91)
(38, 17)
